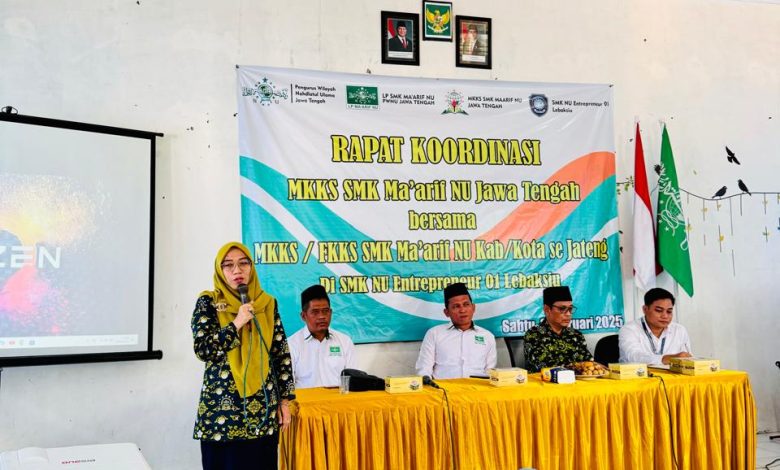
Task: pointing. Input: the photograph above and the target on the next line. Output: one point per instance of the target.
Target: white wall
(710, 69)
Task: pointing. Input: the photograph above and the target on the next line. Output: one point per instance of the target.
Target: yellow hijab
(243, 365)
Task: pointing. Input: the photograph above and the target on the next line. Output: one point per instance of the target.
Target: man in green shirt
(553, 342)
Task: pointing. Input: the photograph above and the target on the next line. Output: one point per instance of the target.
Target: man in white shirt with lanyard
(654, 339)
(460, 348)
(319, 353)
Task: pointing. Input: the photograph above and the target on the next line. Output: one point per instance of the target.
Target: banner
(386, 189)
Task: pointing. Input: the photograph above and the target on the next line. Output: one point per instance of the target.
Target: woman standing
(248, 378)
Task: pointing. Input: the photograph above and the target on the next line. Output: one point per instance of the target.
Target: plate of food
(588, 370)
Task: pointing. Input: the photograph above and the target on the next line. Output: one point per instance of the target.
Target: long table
(594, 424)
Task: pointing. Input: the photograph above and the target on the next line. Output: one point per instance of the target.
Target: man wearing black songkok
(459, 348)
(554, 342)
(399, 42)
(319, 353)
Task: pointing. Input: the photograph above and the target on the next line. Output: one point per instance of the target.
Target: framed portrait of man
(400, 38)
(437, 21)
(473, 42)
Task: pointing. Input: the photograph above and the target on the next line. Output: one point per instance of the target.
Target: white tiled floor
(766, 451)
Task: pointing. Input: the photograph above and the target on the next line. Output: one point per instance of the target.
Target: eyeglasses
(564, 310)
(242, 264)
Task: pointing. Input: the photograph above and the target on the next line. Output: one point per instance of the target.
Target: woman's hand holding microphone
(245, 315)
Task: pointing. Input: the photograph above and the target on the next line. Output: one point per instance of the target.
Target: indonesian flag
(644, 229)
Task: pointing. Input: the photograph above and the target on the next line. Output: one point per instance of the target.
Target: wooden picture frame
(400, 38)
(473, 43)
(437, 21)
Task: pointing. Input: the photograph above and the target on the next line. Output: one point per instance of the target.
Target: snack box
(558, 375)
(403, 384)
(627, 371)
(507, 376)
(694, 365)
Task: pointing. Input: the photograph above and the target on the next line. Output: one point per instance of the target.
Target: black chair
(607, 350)
(516, 347)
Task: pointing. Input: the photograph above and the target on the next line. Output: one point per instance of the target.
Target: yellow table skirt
(594, 424)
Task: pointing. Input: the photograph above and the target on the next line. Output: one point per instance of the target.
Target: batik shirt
(222, 414)
(545, 348)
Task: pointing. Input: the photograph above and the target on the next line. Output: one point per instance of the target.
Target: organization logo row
(363, 97)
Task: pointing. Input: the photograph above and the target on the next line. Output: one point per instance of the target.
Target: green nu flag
(672, 234)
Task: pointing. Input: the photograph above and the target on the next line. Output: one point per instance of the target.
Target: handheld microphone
(427, 380)
(243, 291)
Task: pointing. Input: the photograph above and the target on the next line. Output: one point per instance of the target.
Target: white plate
(589, 377)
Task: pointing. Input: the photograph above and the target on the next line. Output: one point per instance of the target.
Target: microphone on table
(427, 380)
(243, 292)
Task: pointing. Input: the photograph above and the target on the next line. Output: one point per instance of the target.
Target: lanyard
(650, 338)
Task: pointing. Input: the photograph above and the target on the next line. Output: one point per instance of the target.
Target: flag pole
(635, 290)
(677, 300)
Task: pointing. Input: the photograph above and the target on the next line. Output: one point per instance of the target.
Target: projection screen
(76, 242)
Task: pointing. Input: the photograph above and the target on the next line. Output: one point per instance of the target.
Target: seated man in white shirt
(654, 339)
(460, 348)
(319, 353)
